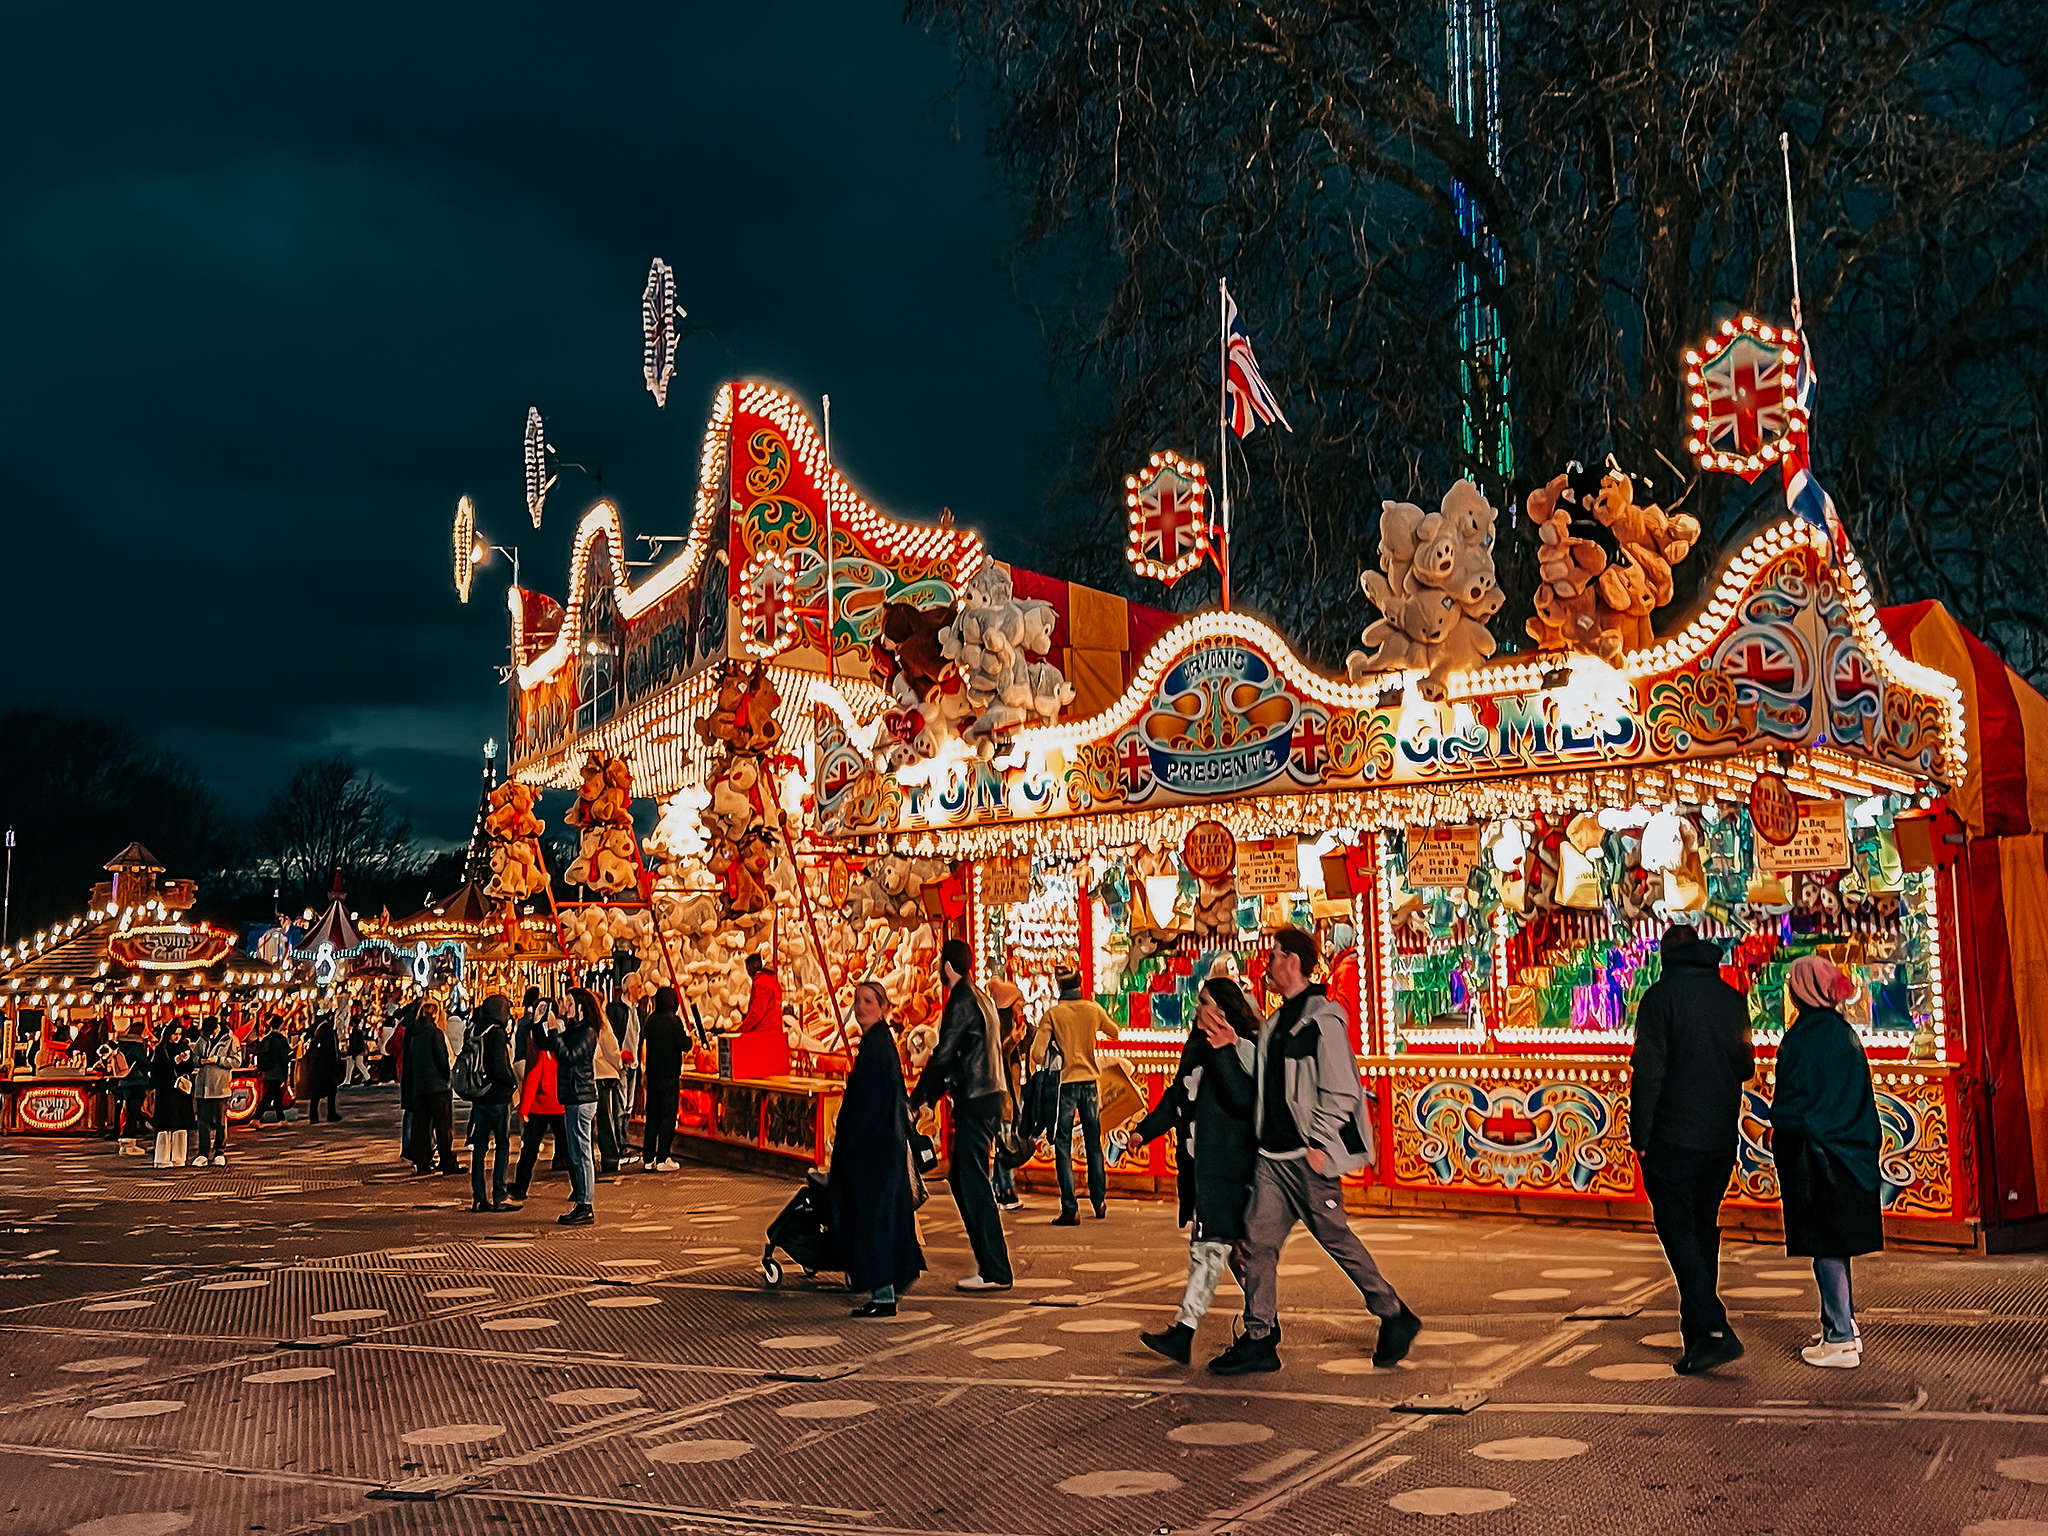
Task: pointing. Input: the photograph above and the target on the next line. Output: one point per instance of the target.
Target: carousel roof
(469, 906)
(98, 959)
(134, 856)
(334, 927)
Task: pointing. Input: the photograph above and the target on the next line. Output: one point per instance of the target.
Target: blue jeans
(1079, 1099)
(1005, 1181)
(1837, 1304)
(582, 1172)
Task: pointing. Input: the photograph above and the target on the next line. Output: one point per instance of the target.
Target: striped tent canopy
(2005, 786)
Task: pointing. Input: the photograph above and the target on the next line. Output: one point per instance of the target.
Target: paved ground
(147, 1321)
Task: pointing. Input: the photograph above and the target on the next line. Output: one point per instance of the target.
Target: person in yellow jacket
(1075, 1025)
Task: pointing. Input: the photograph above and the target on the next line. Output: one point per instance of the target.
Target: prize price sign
(1773, 810)
(1820, 841)
(1005, 882)
(1441, 856)
(1268, 866)
(1209, 851)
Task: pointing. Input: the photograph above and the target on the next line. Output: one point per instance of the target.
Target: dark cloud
(278, 286)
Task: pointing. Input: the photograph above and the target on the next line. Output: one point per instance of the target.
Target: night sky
(278, 285)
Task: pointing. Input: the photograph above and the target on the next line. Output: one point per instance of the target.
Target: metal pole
(7, 901)
(1791, 228)
(831, 645)
(1223, 426)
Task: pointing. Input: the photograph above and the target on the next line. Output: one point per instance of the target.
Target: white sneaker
(221, 1161)
(976, 1283)
(1855, 1343)
(198, 1162)
(1840, 1357)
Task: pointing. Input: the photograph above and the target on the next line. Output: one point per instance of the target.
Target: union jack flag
(1749, 396)
(1804, 497)
(1250, 401)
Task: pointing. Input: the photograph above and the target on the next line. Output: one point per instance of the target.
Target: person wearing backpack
(1310, 1121)
(483, 1076)
(433, 1103)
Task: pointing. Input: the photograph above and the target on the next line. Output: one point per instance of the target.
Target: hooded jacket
(663, 1040)
(1320, 1085)
(1692, 1055)
(493, 1026)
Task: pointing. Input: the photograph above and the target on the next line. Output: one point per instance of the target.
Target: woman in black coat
(1211, 1111)
(323, 1068)
(1825, 1140)
(869, 1193)
(173, 1118)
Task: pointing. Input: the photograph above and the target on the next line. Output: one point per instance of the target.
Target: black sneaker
(876, 1309)
(581, 1216)
(479, 1205)
(1396, 1334)
(1715, 1349)
(1101, 1212)
(504, 1205)
(1067, 1219)
(1176, 1343)
(1246, 1356)
(1010, 1203)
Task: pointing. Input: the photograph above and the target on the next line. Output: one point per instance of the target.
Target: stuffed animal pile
(605, 859)
(992, 641)
(1604, 561)
(891, 890)
(517, 871)
(1435, 590)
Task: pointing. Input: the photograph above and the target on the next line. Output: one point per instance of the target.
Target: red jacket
(538, 1095)
(764, 1005)
(1342, 988)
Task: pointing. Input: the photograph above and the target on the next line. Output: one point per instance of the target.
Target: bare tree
(332, 819)
(1310, 150)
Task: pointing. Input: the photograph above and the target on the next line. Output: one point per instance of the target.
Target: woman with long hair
(1825, 1140)
(170, 1066)
(869, 1193)
(1212, 1113)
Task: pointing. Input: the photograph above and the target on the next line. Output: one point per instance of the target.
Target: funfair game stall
(1506, 837)
(120, 971)
(699, 687)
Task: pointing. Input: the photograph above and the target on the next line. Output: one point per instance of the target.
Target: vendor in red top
(763, 1022)
(1342, 986)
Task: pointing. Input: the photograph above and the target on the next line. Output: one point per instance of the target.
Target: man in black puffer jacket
(490, 1117)
(574, 1044)
(1692, 1056)
(967, 1063)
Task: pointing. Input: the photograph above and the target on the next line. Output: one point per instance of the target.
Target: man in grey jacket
(1310, 1121)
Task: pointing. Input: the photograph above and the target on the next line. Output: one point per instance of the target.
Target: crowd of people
(1269, 1115)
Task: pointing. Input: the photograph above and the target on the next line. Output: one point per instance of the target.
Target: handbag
(182, 1082)
(1013, 1148)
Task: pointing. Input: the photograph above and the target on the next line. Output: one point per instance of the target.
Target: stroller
(803, 1230)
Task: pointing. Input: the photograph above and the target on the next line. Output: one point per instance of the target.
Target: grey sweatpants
(1284, 1192)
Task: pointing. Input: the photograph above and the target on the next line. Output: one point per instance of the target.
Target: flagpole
(1791, 230)
(831, 643)
(1223, 425)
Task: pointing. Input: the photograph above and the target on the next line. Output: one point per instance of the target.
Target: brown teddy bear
(1651, 541)
(910, 635)
(511, 815)
(1568, 564)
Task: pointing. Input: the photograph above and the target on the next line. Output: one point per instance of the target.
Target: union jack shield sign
(1746, 410)
(1168, 504)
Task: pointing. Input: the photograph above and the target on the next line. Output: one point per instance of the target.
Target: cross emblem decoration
(1760, 665)
(1746, 395)
(1310, 737)
(1134, 761)
(1507, 1126)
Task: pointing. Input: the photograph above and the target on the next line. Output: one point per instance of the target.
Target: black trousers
(659, 1137)
(433, 1116)
(535, 1132)
(133, 1124)
(273, 1098)
(1685, 1189)
(313, 1105)
(489, 1125)
(974, 1136)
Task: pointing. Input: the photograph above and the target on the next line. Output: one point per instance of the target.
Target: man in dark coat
(573, 1042)
(433, 1104)
(490, 1117)
(274, 1058)
(1692, 1056)
(662, 1041)
(323, 1069)
(967, 1063)
(873, 1215)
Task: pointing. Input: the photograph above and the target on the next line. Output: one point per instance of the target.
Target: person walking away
(1009, 1001)
(133, 1052)
(323, 1069)
(356, 1063)
(608, 1065)
(540, 1114)
(490, 1117)
(967, 1063)
(868, 1190)
(573, 1042)
(170, 1073)
(1826, 1141)
(433, 1101)
(1211, 1113)
(214, 1061)
(663, 1039)
(400, 1052)
(1692, 1055)
(1076, 1025)
(1310, 1119)
(274, 1060)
